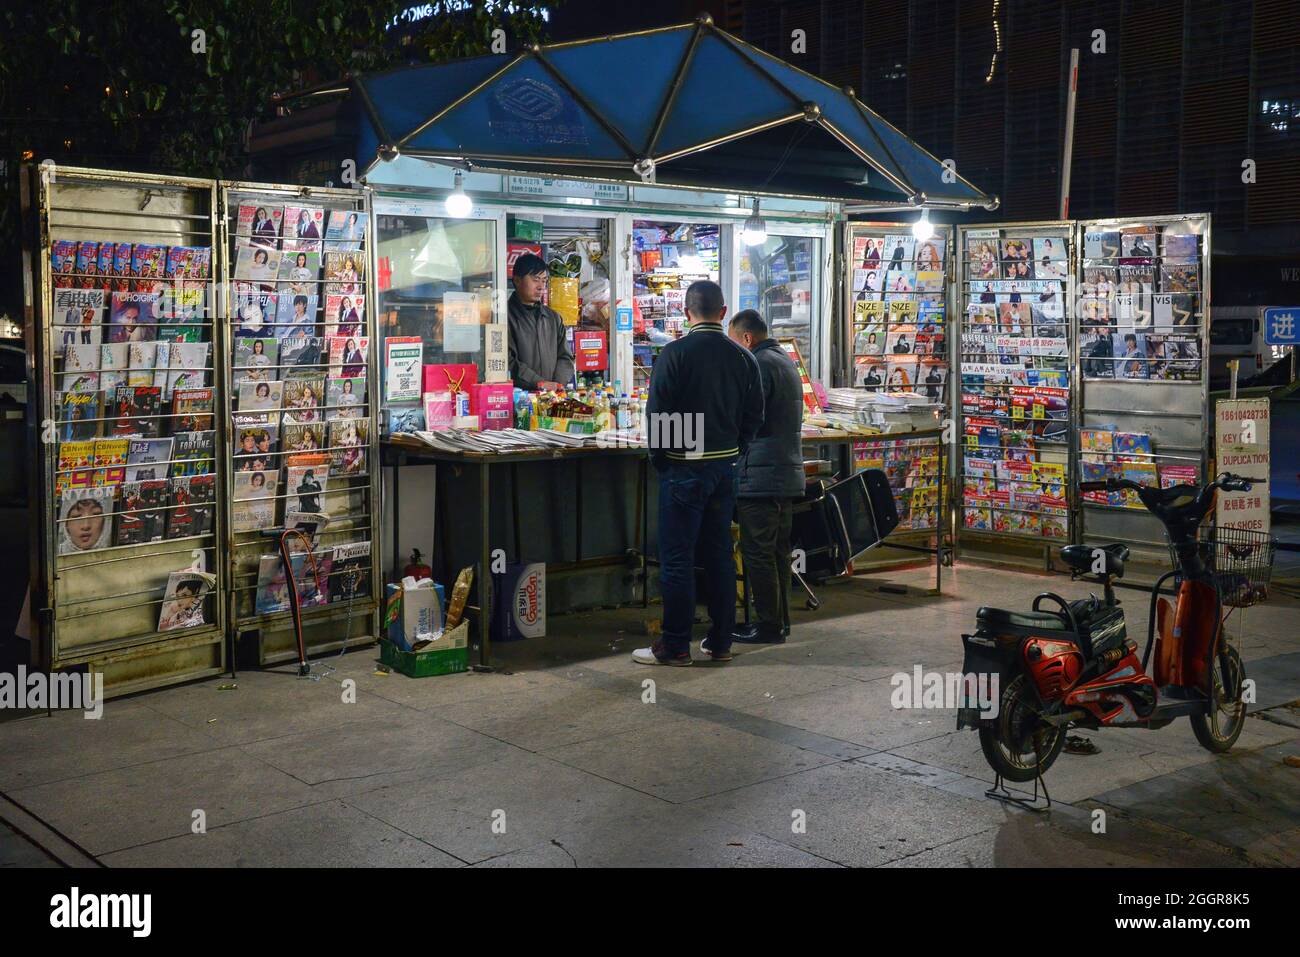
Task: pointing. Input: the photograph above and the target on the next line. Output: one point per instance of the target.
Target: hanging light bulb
(923, 229)
(754, 232)
(458, 203)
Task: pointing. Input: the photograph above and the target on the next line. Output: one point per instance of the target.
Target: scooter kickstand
(999, 790)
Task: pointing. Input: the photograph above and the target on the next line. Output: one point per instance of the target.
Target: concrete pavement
(789, 755)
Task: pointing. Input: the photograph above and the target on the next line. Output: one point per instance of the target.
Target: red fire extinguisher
(416, 568)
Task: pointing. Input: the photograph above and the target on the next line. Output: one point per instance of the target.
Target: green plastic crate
(424, 664)
(525, 230)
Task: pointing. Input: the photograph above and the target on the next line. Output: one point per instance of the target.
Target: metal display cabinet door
(914, 314)
(1142, 367)
(121, 269)
(300, 278)
(1016, 303)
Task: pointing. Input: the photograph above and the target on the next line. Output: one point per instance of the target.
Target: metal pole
(398, 461)
(1068, 157)
(485, 567)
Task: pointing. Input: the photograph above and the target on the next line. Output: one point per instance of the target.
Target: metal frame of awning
(641, 162)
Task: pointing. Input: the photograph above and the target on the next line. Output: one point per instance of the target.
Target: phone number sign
(1241, 446)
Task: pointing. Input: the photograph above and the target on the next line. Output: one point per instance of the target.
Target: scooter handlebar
(1227, 481)
(1237, 483)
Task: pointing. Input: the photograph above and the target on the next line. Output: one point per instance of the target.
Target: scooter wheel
(1219, 730)
(812, 604)
(1016, 744)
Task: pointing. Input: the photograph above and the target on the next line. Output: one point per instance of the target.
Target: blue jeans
(695, 505)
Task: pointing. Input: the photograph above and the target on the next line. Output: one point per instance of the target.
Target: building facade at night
(1185, 92)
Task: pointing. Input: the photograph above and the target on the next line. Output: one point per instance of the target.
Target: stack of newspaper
(522, 440)
(856, 409)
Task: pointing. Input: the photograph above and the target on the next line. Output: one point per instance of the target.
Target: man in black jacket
(705, 407)
(539, 351)
(770, 478)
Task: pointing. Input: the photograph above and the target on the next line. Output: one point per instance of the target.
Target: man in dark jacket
(539, 353)
(705, 407)
(770, 479)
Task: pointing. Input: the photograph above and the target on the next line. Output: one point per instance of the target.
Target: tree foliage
(173, 85)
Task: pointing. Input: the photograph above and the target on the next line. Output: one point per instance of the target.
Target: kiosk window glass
(780, 278)
(438, 282)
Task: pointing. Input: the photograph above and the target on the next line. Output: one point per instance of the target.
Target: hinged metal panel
(99, 603)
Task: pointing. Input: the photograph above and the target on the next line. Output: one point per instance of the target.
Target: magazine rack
(124, 487)
(1015, 398)
(304, 330)
(1142, 367)
(915, 463)
(915, 319)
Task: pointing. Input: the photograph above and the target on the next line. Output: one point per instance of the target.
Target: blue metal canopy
(686, 105)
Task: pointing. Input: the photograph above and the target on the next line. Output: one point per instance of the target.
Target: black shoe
(756, 635)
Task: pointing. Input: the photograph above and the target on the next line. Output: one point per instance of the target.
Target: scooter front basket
(1241, 561)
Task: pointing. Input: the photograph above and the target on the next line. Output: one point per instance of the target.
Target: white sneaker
(646, 656)
(723, 656)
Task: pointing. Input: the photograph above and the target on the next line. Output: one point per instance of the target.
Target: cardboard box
(424, 663)
(526, 230)
(458, 637)
(410, 612)
(519, 604)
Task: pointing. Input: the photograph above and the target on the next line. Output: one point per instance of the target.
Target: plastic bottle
(604, 419)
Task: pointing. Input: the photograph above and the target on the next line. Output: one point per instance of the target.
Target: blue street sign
(1282, 325)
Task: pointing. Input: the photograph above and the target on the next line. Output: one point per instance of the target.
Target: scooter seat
(998, 618)
(1083, 558)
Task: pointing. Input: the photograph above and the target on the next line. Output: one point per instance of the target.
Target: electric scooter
(1071, 664)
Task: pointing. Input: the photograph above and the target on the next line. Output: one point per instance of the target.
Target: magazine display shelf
(1015, 401)
(1142, 367)
(120, 317)
(913, 318)
(916, 463)
(309, 340)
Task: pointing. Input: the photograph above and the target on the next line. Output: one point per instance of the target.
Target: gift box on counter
(493, 403)
(519, 602)
(439, 410)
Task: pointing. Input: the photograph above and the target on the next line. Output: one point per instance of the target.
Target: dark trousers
(695, 504)
(765, 547)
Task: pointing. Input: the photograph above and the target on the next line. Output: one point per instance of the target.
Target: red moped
(1071, 664)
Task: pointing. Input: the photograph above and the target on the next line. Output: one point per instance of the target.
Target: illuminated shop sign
(424, 11)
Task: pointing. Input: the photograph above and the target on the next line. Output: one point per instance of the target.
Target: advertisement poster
(403, 368)
(460, 323)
